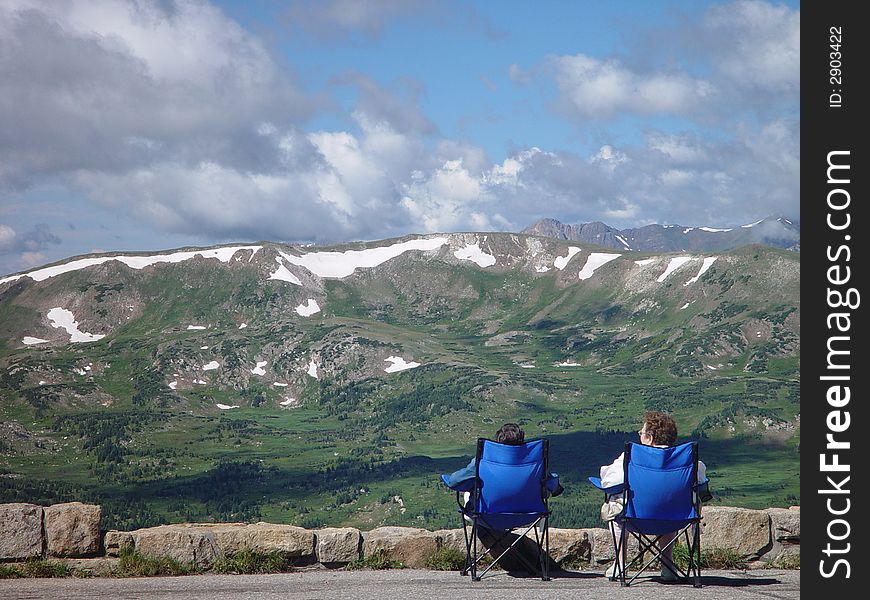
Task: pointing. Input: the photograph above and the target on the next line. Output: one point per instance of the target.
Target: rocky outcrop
(232, 538)
(21, 534)
(760, 537)
(786, 532)
(203, 543)
(338, 545)
(184, 543)
(571, 545)
(72, 529)
(115, 541)
(740, 530)
(409, 545)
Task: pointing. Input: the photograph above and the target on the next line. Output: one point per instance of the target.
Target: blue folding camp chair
(660, 496)
(508, 493)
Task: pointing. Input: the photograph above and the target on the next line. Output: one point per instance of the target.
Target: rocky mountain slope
(777, 232)
(326, 385)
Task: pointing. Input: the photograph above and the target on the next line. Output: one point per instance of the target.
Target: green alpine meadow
(318, 385)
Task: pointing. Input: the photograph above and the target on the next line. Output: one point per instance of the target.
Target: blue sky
(157, 124)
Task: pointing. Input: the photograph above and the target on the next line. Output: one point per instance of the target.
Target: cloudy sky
(153, 124)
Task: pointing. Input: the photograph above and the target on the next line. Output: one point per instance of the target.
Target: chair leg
(474, 576)
(467, 566)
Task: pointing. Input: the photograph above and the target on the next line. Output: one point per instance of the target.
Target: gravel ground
(403, 584)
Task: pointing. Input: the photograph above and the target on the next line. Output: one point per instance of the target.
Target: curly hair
(510, 434)
(661, 427)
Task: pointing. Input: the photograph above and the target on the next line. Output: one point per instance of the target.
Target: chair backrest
(511, 479)
(659, 484)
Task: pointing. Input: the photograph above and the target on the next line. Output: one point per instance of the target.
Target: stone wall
(73, 530)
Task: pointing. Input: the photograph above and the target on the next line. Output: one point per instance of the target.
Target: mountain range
(330, 385)
(778, 232)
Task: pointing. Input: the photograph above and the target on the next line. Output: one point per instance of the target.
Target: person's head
(510, 434)
(658, 429)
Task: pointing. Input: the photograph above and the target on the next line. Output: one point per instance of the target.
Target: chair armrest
(703, 491)
(614, 489)
(466, 485)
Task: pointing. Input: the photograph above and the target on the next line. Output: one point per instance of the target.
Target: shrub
(248, 562)
(133, 564)
(446, 559)
(39, 567)
(785, 562)
(717, 558)
(7, 572)
(35, 567)
(377, 561)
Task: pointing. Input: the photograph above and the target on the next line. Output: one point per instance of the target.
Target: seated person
(659, 430)
(512, 435)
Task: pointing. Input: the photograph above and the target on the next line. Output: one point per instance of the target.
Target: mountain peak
(775, 231)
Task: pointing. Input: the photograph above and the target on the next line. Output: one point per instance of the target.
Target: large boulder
(263, 538)
(786, 523)
(570, 545)
(786, 526)
(21, 534)
(740, 530)
(114, 541)
(455, 539)
(72, 529)
(338, 545)
(409, 545)
(603, 552)
(185, 543)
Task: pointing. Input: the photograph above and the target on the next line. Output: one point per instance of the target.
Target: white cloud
(108, 85)
(604, 88)
(755, 44)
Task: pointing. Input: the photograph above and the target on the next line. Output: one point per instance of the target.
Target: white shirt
(613, 474)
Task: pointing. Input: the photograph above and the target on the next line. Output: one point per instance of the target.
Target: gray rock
(455, 539)
(231, 538)
(603, 552)
(93, 567)
(570, 545)
(114, 541)
(409, 545)
(338, 544)
(72, 529)
(185, 543)
(21, 535)
(786, 524)
(741, 530)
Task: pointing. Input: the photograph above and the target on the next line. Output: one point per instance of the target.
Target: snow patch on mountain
(308, 309)
(596, 260)
(673, 265)
(134, 262)
(30, 341)
(338, 265)
(284, 274)
(259, 370)
(61, 318)
(474, 253)
(399, 364)
(562, 261)
(708, 262)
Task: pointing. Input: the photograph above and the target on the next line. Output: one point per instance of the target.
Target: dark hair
(510, 434)
(661, 427)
